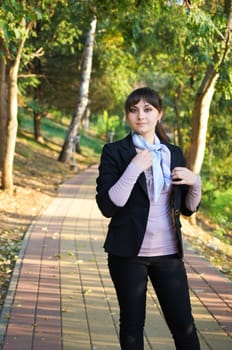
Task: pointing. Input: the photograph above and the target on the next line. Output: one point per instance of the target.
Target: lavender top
(159, 238)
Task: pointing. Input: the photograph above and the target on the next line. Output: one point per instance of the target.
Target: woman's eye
(132, 110)
(147, 110)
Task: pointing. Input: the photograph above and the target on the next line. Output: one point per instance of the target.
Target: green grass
(53, 130)
(91, 142)
(218, 207)
(50, 129)
(54, 135)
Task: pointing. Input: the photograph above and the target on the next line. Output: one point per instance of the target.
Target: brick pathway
(61, 296)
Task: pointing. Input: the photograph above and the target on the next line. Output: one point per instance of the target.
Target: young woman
(143, 186)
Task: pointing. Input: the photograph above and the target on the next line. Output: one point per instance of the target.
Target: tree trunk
(177, 130)
(83, 95)
(3, 106)
(11, 130)
(37, 117)
(195, 154)
(37, 96)
(12, 111)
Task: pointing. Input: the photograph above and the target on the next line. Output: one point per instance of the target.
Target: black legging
(168, 277)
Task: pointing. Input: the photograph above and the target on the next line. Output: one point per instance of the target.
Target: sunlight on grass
(28, 150)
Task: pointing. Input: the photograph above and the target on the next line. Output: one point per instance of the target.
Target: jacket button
(177, 212)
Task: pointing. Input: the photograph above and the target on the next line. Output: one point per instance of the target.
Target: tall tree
(17, 19)
(9, 90)
(83, 94)
(205, 94)
(3, 99)
(60, 41)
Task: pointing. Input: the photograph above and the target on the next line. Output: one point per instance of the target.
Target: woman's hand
(183, 176)
(143, 159)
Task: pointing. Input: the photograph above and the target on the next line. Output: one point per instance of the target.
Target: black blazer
(128, 223)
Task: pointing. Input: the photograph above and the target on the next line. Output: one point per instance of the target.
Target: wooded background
(82, 58)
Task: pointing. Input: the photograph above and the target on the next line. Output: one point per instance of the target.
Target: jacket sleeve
(180, 191)
(109, 173)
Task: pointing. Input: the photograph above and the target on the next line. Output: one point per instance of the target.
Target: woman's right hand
(143, 159)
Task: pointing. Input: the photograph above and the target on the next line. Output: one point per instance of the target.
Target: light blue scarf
(161, 172)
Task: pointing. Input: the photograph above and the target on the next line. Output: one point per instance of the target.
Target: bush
(218, 207)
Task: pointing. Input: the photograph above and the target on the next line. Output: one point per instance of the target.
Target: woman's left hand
(183, 176)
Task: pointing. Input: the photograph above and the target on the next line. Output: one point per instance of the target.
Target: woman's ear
(160, 116)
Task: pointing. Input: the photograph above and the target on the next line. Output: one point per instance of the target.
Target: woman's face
(142, 118)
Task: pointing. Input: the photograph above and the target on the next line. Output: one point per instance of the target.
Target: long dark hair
(153, 98)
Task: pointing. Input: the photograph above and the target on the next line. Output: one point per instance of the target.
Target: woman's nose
(140, 114)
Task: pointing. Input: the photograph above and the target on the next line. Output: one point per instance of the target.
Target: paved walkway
(61, 296)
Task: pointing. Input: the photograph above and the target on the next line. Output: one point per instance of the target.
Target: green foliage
(110, 124)
(35, 106)
(116, 65)
(203, 29)
(17, 16)
(218, 207)
(68, 23)
(218, 157)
